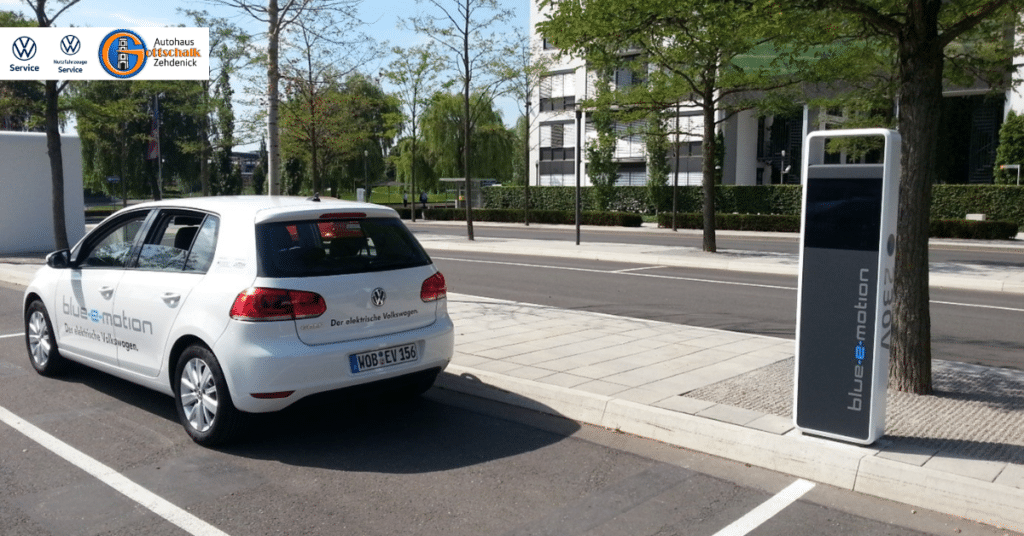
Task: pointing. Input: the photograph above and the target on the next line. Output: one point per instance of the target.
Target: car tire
(202, 400)
(41, 342)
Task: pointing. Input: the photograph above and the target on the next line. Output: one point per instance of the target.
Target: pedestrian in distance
(405, 199)
(423, 199)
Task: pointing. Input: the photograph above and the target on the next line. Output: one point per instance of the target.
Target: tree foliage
(492, 144)
(1011, 148)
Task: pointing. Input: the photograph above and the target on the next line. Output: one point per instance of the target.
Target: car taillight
(434, 288)
(266, 304)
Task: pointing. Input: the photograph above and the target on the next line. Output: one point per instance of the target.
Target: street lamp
(579, 160)
(366, 177)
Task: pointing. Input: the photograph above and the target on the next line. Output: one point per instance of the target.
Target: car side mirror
(59, 259)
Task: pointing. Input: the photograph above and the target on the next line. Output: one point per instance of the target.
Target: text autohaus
(175, 53)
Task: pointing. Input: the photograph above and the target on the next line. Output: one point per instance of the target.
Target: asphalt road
(967, 326)
(445, 464)
(784, 243)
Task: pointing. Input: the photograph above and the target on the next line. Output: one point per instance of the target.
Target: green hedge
(735, 222)
(778, 199)
(996, 202)
(949, 201)
(563, 217)
(978, 230)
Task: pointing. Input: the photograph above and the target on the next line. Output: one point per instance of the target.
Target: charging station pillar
(844, 301)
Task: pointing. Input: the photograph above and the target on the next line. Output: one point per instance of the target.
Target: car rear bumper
(266, 359)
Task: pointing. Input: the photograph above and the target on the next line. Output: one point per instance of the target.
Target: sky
(382, 17)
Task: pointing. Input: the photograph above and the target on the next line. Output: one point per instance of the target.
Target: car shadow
(439, 431)
(367, 431)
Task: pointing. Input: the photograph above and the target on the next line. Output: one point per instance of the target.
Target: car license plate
(384, 357)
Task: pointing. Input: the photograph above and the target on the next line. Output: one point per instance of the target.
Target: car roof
(263, 208)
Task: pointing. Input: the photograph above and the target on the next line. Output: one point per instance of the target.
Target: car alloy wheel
(198, 395)
(39, 338)
(202, 399)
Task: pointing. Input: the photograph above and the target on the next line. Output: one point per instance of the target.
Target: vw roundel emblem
(70, 45)
(24, 48)
(378, 296)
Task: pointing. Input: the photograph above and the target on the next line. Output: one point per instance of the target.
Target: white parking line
(11, 336)
(625, 270)
(756, 517)
(149, 500)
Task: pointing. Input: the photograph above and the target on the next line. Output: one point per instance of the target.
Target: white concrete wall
(741, 149)
(26, 198)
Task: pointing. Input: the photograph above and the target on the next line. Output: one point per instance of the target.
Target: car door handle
(170, 298)
(106, 292)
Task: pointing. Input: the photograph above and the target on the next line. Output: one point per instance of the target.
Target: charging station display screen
(838, 299)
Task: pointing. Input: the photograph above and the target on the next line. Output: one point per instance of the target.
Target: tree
(51, 120)
(523, 64)
(656, 144)
(465, 29)
(921, 31)
(1011, 148)
(442, 123)
(678, 51)
(114, 124)
(414, 72)
(229, 46)
(278, 19)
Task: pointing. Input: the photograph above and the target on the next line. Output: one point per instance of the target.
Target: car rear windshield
(336, 246)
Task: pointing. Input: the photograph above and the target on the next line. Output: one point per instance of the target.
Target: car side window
(179, 241)
(201, 256)
(113, 250)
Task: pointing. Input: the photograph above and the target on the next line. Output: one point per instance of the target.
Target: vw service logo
(24, 48)
(378, 296)
(122, 53)
(70, 45)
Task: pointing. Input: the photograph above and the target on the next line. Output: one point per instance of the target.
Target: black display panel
(843, 214)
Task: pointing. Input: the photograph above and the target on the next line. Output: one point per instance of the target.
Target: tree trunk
(273, 75)
(467, 130)
(708, 168)
(920, 107)
(53, 149)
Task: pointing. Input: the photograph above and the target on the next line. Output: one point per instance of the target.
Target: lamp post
(579, 160)
(366, 176)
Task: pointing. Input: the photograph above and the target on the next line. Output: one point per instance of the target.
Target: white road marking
(769, 509)
(149, 500)
(590, 270)
(632, 272)
(980, 306)
(11, 336)
(627, 270)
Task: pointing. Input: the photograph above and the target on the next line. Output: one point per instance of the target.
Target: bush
(977, 230)
(559, 217)
(735, 222)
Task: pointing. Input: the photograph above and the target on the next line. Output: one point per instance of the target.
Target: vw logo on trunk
(378, 296)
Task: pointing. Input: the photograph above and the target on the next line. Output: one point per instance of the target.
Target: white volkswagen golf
(236, 305)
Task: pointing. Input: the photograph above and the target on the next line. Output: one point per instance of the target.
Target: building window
(558, 91)
(557, 141)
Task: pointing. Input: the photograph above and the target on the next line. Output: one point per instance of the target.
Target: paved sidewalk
(960, 451)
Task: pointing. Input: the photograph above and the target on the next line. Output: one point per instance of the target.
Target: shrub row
(563, 217)
(735, 222)
(949, 201)
(977, 230)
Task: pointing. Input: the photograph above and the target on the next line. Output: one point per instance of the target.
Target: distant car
(238, 305)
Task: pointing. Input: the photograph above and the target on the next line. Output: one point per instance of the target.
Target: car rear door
(173, 258)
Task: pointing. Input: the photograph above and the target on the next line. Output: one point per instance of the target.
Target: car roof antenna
(315, 198)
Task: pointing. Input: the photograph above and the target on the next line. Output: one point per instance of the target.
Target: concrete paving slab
(952, 463)
(730, 414)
